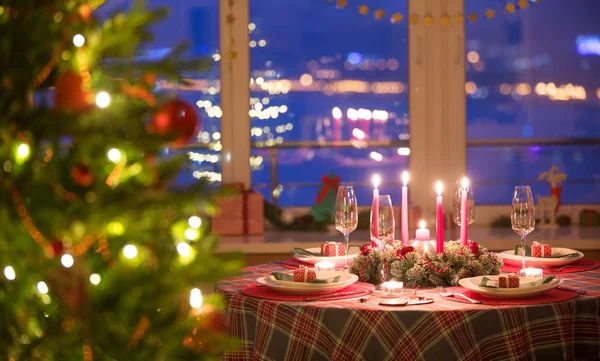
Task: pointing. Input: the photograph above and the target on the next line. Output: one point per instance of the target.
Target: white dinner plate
(338, 260)
(306, 288)
(524, 291)
(509, 258)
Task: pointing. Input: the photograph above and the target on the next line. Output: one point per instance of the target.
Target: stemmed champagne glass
(457, 204)
(346, 214)
(386, 223)
(522, 216)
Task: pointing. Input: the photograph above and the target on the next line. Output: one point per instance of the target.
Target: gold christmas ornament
(363, 9)
(510, 8)
(396, 18)
(413, 19)
(489, 13)
(341, 4)
(428, 19)
(379, 14)
(445, 19)
(523, 4)
(459, 18)
(472, 17)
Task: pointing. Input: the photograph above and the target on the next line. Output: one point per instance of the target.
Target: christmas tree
(102, 257)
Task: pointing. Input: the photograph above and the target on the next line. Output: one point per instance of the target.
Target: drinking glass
(386, 222)
(522, 217)
(346, 214)
(458, 204)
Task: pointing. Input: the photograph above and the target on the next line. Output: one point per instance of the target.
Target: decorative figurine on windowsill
(549, 206)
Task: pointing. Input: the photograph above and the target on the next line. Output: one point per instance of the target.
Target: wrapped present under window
(589, 218)
(240, 213)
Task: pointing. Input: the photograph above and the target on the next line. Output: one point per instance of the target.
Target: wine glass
(458, 204)
(386, 223)
(522, 216)
(346, 214)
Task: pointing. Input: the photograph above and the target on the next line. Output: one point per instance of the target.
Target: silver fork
(445, 293)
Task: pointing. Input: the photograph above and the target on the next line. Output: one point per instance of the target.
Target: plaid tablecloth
(444, 330)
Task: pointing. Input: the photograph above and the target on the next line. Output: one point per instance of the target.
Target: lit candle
(404, 208)
(392, 288)
(324, 266)
(464, 212)
(531, 272)
(439, 219)
(375, 210)
(422, 232)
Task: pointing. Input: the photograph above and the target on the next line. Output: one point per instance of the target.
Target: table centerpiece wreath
(401, 263)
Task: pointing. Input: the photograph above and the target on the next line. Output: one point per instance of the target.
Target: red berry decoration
(176, 116)
(401, 252)
(365, 249)
(474, 248)
(69, 94)
(82, 175)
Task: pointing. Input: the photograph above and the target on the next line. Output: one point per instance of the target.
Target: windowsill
(496, 239)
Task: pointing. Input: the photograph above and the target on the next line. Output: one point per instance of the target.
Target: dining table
(360, 328)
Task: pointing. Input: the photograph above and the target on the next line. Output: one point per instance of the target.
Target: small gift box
(304, 275)
(510, 280)
(333, 249)
(541, 250)
(240, 213)
(589, 218)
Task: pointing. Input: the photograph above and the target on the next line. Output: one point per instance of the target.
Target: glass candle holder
(324, 266)
(531, 272)
(424, 246)
(392, 288)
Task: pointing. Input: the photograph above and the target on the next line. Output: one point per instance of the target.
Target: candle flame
(422, 224)
(376, 180)
(405, 178)
(465, 183)
(439, 187)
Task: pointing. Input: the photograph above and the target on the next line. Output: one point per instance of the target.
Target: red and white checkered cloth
(444, 330)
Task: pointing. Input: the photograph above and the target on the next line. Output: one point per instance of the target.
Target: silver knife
(338, 294)
(581, 292)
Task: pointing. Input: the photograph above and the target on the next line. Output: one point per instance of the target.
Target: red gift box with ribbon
(541, 250)
(510, 280)
(304, 275)
(240, 213)
(333, 249)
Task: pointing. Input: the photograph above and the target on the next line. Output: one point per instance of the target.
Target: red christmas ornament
(474, 248)
(82, 175)
(401, 252)
(365, 249)
(69, 94)
(58, 248)
(177, 117)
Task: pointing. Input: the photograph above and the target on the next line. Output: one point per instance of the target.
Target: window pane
(326, 74)
(529, 79)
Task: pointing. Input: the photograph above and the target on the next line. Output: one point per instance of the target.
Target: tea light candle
(422, 232)
(324, 266)
(531, 272)
(392, 288)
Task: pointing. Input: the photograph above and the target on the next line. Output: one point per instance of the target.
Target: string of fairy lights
(428, 19)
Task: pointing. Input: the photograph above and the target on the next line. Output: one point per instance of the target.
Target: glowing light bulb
(130, 251)
(95, 279)
(9, 273)
(23, 151)
(114, 155)
(191, 234)
(67, 260)
(196, 298)
(78, 40)
(183, 249)
(102, 99)
(195, 222)
(42, 287)
(403, 151)
(336, 112)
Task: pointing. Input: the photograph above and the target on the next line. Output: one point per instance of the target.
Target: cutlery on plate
(445, 293)
(338, 294)
(305, 252)
(289, 263)
(581, 292)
